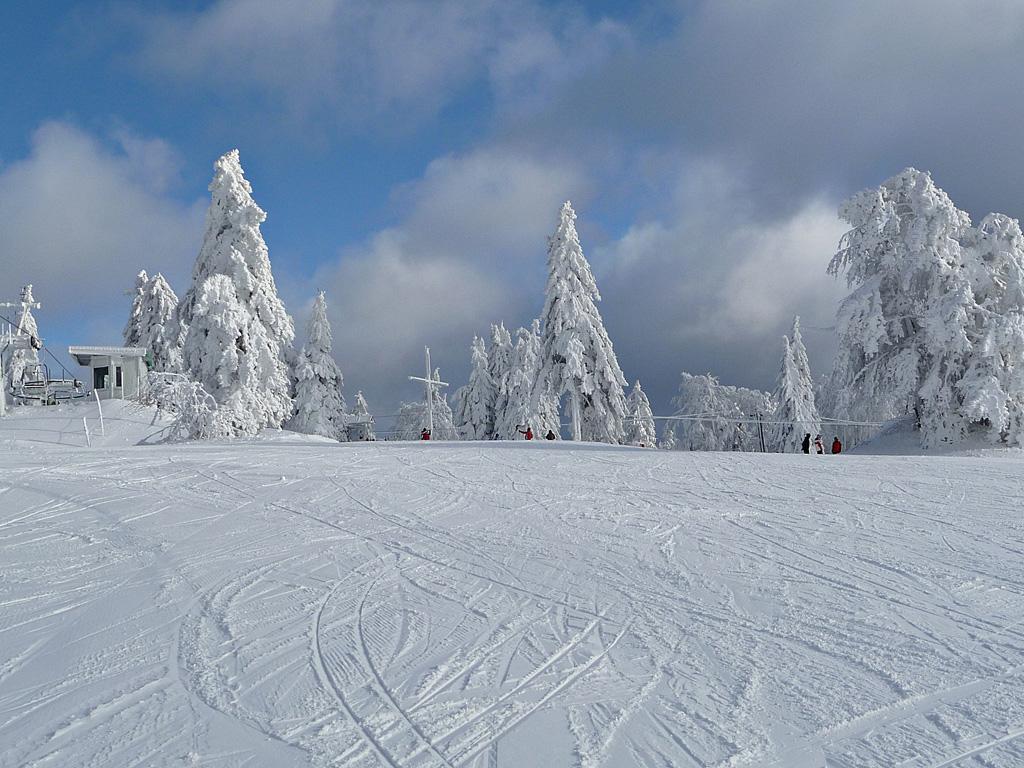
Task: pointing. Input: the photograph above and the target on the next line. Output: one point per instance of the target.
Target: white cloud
(711, 286)
(812, 96)
(80, 217)
(783, 273)
(367, 62)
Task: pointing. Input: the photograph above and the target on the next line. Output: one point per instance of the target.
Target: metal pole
(430, 396)
(3, 388)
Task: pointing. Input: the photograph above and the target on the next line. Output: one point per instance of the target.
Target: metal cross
(430, 383)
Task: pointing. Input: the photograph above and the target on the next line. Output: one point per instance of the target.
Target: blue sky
(412, 156)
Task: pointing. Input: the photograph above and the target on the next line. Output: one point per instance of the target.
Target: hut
(117, 373)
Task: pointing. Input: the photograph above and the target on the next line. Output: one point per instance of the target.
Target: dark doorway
(99, 376)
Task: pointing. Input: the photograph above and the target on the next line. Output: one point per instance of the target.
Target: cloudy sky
(412, 157)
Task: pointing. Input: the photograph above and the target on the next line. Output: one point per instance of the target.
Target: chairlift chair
(37, 386)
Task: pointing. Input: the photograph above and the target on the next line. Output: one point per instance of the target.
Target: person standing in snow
(550, 435)
(528, 434)
(425, 434)
(805, 446)
(819, 446)
(837, 447)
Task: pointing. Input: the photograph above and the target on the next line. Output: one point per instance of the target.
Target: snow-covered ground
(288, 602)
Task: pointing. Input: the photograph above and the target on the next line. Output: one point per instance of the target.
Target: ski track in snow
(476, 606)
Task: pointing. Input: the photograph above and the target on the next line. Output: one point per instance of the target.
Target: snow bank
(901, 438)
(124, 423)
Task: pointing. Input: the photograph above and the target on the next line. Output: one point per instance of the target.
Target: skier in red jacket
(528, 434)
(837, 447)
(425, 434)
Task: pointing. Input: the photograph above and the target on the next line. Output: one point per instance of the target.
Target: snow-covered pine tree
(576, 357)
(413, 418)
(163, 340)
(921, 281)
(781, 433)
(544, 405)
(668, 437)
(639, 423)
(518, 412)
(132, 333)
(702, 415)
(473, 414)
(361, 426)
(444, 423)
(23, 363)
(499, 367)
(152, 324)
(795, 413)
(717, 417)
(238, 335)
(992, 388)
(319, 402)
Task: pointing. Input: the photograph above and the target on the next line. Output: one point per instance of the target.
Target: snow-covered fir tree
(992, 388)
(717, 417)
(163, 342)
(413, 417)
(639, 423)
(361, 423)
(133, 329)
(319, 402)
(544, 408)
(702, 416)
(898, 258)
(520, 411)
(473, 416)
(152, 322)
(499, 368)
(238, 335)
(668, 437)
(795, 413)
(577, 359)
(931, 298)
(23, 362)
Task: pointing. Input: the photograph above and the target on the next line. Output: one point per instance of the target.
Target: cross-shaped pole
(430, 382)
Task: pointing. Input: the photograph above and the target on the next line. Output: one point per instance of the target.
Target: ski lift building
(117, 373)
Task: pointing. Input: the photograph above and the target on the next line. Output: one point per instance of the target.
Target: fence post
(88, 440)
(103, 430)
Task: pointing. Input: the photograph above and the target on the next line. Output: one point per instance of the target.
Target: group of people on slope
(819, 445)
(526, 433)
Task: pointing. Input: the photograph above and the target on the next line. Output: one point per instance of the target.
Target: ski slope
(289, 603)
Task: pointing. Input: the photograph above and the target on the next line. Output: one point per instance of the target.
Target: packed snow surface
(289, 602)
